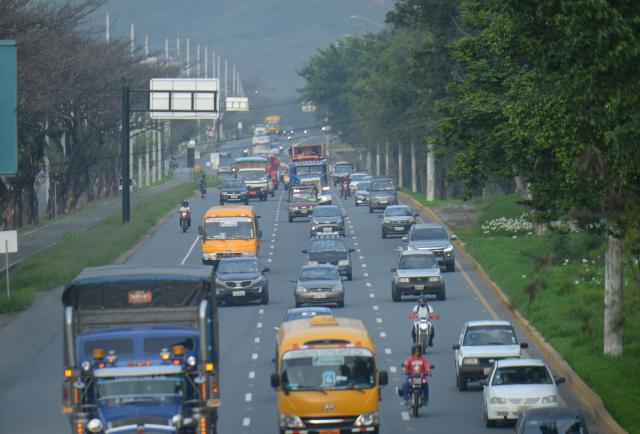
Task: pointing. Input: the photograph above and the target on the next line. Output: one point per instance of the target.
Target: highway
(31, 363)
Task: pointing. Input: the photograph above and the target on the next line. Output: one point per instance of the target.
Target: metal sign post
(8, 244)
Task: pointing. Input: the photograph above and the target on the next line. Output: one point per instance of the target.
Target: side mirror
(383, 378)
(483, 382)
(265, 269)
(351, 250)
(455, 347)
(275, 380)
(524, 345)
(294, 281)
(394, 269)
(201, 230)
(559, 380)
(305, 251)
(258, 217)
(454, 237)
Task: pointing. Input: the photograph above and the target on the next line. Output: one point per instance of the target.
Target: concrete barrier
(591, 400)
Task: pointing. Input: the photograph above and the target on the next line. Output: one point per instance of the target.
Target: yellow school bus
(229, 230)
(326, 377)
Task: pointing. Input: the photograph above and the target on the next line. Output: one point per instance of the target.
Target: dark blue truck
(141, 350)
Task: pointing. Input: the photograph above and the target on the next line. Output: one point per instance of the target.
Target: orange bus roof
(230, 211)
(293, 334)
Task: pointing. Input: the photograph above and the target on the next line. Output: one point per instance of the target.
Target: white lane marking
(375, 307)
(358, 250)
(272, 246)
(247, 397)
(361, 257)
(261, 311)
(247, 421)
(383, 335)
(368, 284)
(252, 375)
(372, 295)
(269, 260)
(387, 350)
(364, 265)
(270, 253)
(354, 237)
(365, 274)
(355, 244)
(393, 369)
(259, 325)
(379, 320)
(254, 356)
(256, 340)
(405, 415)
(190, 250)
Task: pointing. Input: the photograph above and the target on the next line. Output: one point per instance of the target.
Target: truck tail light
(203, 425)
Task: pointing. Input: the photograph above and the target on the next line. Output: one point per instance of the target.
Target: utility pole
(125, 155)
(132, 40)
(400, 171)
(387, 170)
(178, 48)
(378, 160)
(146, 45)
(206, 61)
(188, 58)
(233, 81)
(213, 64)
(166, 49)
(198, 61)
(226, 64)
(414, 169)
(107, 33)
(431, 173)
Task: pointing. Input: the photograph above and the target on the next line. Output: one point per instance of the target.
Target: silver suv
(417, 273)
(382, 193)
(432, 237)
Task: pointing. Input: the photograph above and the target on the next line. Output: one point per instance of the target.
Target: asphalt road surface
(31, 361)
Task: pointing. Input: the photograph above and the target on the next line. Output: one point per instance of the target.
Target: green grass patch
(100, 244)
(557, 282)
(420, 197)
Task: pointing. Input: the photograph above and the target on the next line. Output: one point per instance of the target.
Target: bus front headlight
(290, 421)
(95, 425)
(367, 419)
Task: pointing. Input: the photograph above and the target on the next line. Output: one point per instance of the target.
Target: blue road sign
(8, 116)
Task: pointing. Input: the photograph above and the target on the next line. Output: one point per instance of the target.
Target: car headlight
(448, 249)
(367, 419)
(470, 361)
(220, 282)
(290, 421)
(403, 279)
(497, 400)
(314, 227)
(336, 288)
(301, 289)
(95, 425)
(343, 262)
(258, 280)
(385, 221)
(434, 279)
(551, 399)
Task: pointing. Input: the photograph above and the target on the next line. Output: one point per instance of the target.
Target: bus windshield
(228, 228)
(328, 368)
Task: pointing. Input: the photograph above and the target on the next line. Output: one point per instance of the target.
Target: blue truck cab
(311, 172)
(141, 350)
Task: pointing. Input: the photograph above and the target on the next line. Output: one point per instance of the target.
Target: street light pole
(125, 155)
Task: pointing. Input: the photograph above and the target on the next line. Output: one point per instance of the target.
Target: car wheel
(356, 202)
(488, 422)
(350, 276)
(273, 193)
(290, 219)
(298, 304)
(462, 383)
(265, 297)
(221, 201)
(246, 201)
(442, 294)
(370, 210)
(383, 234)
(341, 303)
(395, 295)
(451, 267)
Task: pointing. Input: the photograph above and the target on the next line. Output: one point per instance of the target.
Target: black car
(330, 249)
(242, 279)
(327, 219)
(397, 220)
(554, 420)
(382, 193)
(234, 190)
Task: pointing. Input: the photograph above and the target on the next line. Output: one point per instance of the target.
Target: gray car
(242, 279)
(397, 220)
(361, 196)
(417, 273)
(330, 249)
(327, 219)
(432, 237)
(319, 284)
(382, 193)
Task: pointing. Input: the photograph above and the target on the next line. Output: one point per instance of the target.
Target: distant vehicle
(295, 313)
(254, 171)
(417, 273)
(361, 195)
(481, 343)
(382, 193)
(260, 140)
(330, 249)
(242, 279)
(327, 219)
(233, 190)
(301, 202)
(355, 178)
(133, 350)
(397, 220)
(319, 284)
(554, 420)
(341, 171)
(273, 124)
(515, 385)
(434, 237)
(260, 130)
(225, 167)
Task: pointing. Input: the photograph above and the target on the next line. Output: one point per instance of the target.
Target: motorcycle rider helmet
(185, 203)
(416, 347)
(422, 301)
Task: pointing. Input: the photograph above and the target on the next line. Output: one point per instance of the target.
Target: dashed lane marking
(379, 320)
(247, 421)
(256, 340)
(383, 335)
(368, 284)
(372, 295)
(375, 307)
(259, 325)
(247, 397)
(393, 369)
(252, 375)
(387, 350)
(405, 415)
(254, 356)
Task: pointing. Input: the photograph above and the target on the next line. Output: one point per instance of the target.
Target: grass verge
(557, 282)
(100, 244)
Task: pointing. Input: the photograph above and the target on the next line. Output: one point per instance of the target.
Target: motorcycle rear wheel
(415, 404)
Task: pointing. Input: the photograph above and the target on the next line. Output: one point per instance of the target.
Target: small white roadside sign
(8, 244)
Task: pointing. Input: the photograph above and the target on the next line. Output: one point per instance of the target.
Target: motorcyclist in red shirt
(415, 365)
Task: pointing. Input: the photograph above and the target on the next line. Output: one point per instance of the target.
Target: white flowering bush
(504, 225)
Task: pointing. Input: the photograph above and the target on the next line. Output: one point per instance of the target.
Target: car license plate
(319, 295)
(419, 287)
(326, 229)
(238, 293)
(303, 211)
(252, 193)
(399, 228)
(486, 371)
(234, 196)
(329, 431)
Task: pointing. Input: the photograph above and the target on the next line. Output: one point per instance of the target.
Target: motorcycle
(344, 190)
(422, 329)
(203, 191)
(416, 395)
(185, 220)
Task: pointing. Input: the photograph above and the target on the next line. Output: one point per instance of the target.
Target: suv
(481, 343)
(397, 220)
(330, 249)
(433, 237)
(242, 279)
(382, 192)
(234, 190)
(327, 219)
(417, 273)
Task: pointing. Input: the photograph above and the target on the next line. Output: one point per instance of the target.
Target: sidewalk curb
(599, 412)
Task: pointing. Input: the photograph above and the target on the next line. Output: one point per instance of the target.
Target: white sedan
(515, 385)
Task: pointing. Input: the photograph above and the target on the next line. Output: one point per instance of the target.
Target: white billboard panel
(183, 98)
(308, 107)
(237, 104)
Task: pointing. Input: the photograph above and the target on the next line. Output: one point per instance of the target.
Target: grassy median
(100, 244)
(557, 282)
